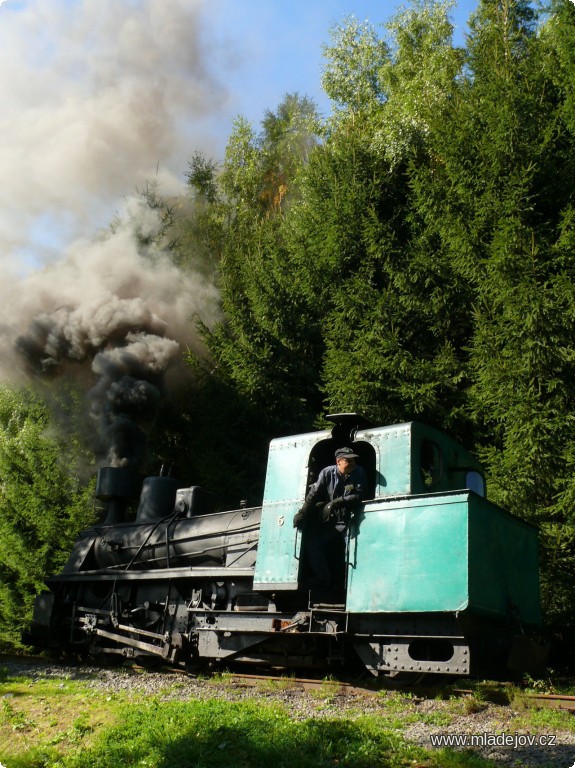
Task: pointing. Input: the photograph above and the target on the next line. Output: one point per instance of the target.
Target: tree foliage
(43, 505)
(501, 194)
(352, 73)
(264, 351)
(420, 263)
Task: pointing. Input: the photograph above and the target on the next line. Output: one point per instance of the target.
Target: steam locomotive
(435, 579)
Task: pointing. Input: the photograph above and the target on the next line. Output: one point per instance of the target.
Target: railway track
(557, 701)
(344, 687)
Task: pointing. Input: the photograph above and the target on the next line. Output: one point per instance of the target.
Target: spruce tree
(498, 199)
(43, 505)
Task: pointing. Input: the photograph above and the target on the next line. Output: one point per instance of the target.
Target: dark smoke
(126, 398)
(116, 320)
(76, 333)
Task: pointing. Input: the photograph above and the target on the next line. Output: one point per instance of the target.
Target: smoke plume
(113, 315)
(98, 99)
(127, 396)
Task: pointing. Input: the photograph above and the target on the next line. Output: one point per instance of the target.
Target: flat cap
(345, 453)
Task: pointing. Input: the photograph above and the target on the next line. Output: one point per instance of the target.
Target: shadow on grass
(219, 734)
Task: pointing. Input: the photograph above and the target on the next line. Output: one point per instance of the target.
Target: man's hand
(298, 519)
(330, 508)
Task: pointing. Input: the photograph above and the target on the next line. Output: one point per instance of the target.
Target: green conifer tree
(43, 505)
(498, 199)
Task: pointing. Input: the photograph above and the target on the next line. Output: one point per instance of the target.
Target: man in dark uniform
(326, 513)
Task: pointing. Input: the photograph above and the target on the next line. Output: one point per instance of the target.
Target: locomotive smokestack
(117, 487)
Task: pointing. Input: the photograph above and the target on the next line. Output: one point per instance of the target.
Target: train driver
(326, 513)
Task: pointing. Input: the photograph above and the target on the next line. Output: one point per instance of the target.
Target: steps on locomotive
(327, 598)
(335, 607)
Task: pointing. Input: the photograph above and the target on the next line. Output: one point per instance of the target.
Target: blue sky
(279, 44)
(99, 97)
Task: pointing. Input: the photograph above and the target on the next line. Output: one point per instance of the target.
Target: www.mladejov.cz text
(514, 740)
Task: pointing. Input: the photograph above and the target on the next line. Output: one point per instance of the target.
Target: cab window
(431, 463)
(475, 482)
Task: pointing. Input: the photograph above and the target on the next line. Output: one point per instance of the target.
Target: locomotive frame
(438, 580)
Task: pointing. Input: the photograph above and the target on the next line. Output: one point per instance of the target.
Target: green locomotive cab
(402, 460)
(432, 567)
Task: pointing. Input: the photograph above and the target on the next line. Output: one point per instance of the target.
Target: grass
(51, 711)
(216, 734)
(63, 723)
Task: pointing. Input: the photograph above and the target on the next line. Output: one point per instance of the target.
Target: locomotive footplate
(252, 636)
(315, 621)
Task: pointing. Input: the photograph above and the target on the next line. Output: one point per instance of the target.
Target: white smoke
(97, 98)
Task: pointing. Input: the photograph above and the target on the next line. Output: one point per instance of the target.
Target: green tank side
(452, 552)
(503, 564)
(401, 551)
